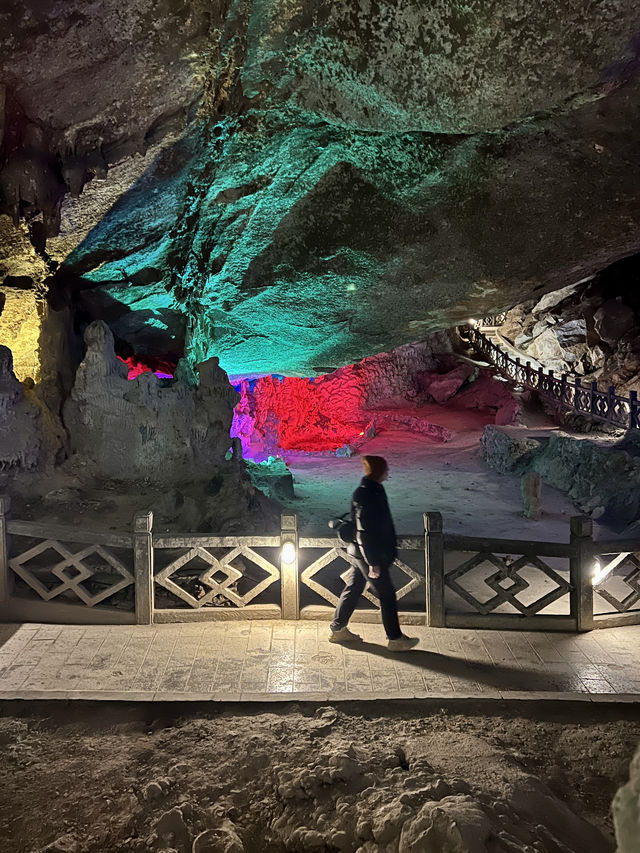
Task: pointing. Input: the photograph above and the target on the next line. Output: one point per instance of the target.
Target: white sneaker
(344, 635)
(402, 644)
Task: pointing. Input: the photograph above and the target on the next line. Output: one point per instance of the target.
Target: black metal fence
(566, 391)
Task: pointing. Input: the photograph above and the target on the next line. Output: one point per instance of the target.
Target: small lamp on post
(289, 566)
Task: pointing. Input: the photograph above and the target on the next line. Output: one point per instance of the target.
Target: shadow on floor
(495, 675)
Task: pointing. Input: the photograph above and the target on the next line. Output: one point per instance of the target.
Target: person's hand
(374, 572)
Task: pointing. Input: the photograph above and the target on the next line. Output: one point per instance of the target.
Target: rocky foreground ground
(463, 778)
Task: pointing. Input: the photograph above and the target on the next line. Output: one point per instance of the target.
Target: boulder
(442, 386)
(626, 810)
(614, 319)
(546, 349)
(553, 299)
(508, 450)
(571, 332)
(594, 475)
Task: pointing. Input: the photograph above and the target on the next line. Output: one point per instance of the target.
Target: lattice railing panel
(200, 578)
(618, 581)
(485, 590)
(93, 573)
(309, 576)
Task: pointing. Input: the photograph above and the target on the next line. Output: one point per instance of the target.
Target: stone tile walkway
(267, 661)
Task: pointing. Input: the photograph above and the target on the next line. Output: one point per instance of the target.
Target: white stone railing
(170, 578)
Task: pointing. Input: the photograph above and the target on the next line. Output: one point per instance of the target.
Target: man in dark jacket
(375, 541)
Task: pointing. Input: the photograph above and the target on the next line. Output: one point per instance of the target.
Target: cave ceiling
(295, 185)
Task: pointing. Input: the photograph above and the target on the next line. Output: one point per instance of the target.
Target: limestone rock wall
(146, 429)
(602, 478)
(321, 181)
(590, 329)
(326, 412)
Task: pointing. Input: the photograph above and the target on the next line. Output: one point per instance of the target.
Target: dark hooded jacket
(375, 535)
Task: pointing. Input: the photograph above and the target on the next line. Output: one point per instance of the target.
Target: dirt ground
(457, 778)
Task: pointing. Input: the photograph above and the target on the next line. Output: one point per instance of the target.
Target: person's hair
(374, 466)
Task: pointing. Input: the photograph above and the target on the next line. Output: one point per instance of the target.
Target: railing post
(563, 388)
(577, 386)
(610, 402)
(540, 379)
(5, 580)
(633, 410)
(289, 582)
(593, 390)
(581, 595)
(434, 568)
(143, 566)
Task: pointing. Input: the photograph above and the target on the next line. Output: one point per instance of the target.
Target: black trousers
(381, 587)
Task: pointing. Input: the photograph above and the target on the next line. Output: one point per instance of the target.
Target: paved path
(267, 661)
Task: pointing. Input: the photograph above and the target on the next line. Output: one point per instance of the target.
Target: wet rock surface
(479, 779)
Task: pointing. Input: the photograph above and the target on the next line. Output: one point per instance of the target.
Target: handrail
(569, 393)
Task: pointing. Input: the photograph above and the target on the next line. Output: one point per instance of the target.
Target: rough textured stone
(21, 433)
(626, 810)
(141, 430)
(337, 194)
(598, 476)
(613, 320)
(508, 450)
(593, 475)
(442, 386)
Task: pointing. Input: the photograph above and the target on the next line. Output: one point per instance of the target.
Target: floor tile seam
(536, 656)
(103, 640)
(161, 675)
(145, 656)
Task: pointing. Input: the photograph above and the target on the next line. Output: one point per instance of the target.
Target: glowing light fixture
(600, 573)
(288, 553)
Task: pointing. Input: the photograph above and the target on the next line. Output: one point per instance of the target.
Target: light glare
(288, 552)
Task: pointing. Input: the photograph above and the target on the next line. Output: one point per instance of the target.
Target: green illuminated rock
(358, 174)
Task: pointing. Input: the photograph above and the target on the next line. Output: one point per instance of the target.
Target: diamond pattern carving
(506, 583)
(632, 580)
(307, 576)
(71, 571)
(207, 577)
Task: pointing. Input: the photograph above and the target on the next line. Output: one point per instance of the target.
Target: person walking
(375, 543)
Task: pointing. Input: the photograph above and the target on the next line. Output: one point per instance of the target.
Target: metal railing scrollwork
(567, 391)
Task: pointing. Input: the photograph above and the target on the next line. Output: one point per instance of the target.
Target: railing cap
(432, 522)
(289, 521)
(143, 522)
(582, 526)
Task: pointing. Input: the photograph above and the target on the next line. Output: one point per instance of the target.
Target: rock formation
(626, 810)
(591, 330)
(601, 477)
(21, 434)
(293, 187)
(334, 412)
(142, 430)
